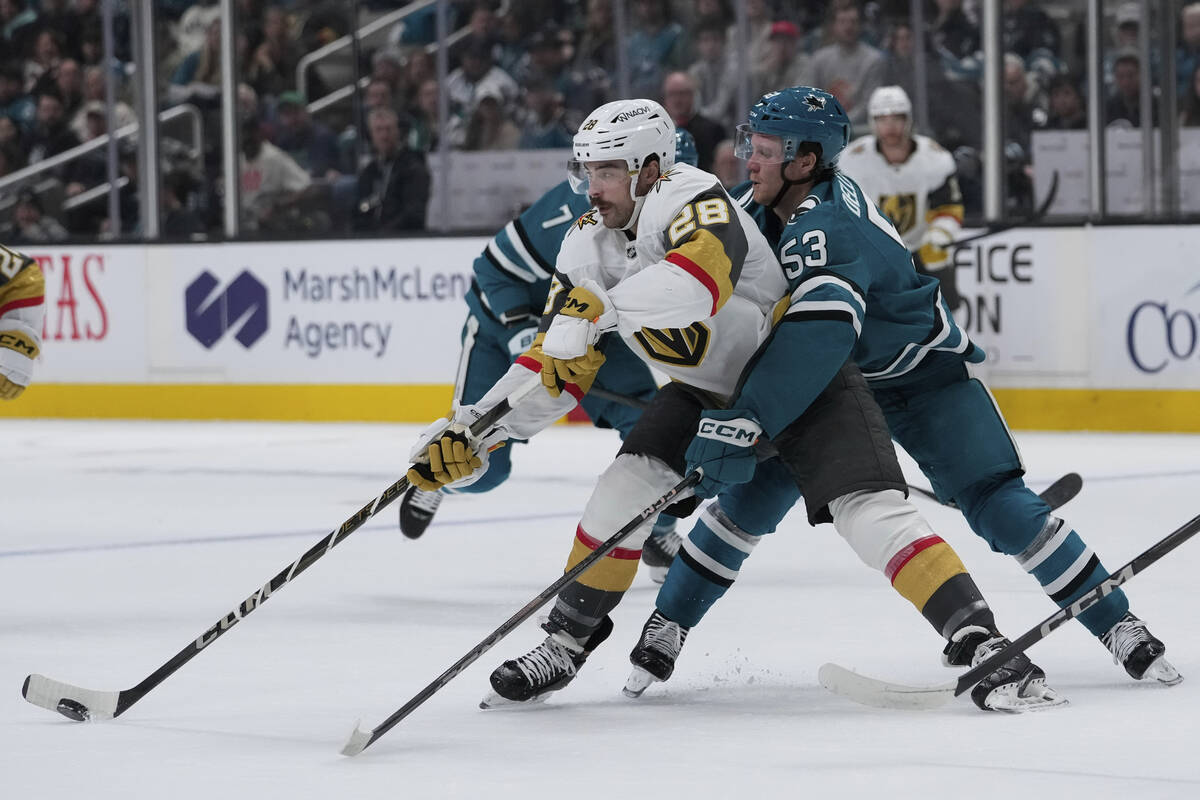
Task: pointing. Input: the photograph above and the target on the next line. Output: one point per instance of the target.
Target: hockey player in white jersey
(21, 312)
(912, 180)
(667, 262)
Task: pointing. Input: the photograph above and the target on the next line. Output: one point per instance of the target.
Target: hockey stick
(79, 704)
(1055, 495)
(1036, 216)
(884, 694)
(360, 740)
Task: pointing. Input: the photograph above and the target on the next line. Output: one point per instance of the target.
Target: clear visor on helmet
(582, 175)
(762, 148)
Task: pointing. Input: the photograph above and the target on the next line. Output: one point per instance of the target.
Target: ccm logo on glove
(741, 432)
(19, 342)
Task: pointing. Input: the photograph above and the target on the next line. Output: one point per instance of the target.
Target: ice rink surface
(120, 542)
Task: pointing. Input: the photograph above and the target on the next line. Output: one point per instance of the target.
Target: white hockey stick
(886, 694)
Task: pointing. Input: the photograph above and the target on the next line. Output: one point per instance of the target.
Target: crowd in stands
(522, 74)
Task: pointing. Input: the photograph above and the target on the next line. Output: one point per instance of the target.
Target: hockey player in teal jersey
(505, 301)
(854, 291)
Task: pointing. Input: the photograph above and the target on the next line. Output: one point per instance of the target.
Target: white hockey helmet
(628, 130)
(889, 100)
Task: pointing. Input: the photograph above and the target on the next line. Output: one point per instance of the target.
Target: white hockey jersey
(912, 194)
(694, 290)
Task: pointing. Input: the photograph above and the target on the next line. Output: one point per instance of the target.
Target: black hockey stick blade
(1037, 216)
(362, 739)
(81, 705)
(886, 694)
(1056, 495)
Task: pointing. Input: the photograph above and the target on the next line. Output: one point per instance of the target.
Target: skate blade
(637, 682)
(493, 702)
(1036, 697)
(1163, 672)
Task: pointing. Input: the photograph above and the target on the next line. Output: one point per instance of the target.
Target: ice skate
(1141, 653)
(1017, 685)
(546, 668)
(416, 511)
(654, 656)
(659, 550)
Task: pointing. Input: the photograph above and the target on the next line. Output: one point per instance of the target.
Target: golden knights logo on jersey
(664, 178)
(588, 218)
(684, 347)
(901, 209)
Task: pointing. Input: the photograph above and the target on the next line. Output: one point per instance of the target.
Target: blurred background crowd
(341, 116)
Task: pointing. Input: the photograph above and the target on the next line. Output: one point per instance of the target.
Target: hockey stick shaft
(1037, 216)
(41, 691)
(361, 740)
(1083, 603)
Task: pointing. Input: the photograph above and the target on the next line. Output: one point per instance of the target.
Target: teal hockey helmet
(685, 148)
(796, 115)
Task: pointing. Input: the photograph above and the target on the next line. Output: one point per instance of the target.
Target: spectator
(418, 68)
(490, 127)
(64, 22)
(197, 79)
(1067, 111)
(69, 81)
(12, 140)
(47, 51)
(759, 20)
(13, 17)
(423, 117)
(475, 78)
(192, 28)
(272, 70)
(387, 66)
(546, 126)
(51, 135)
(271, 181)
(1027, 28)
(679, 99)
(1187, 55)
(596, 54)
(29, 224)
(393, 188)
(1021, 116)
(310, 143)
(713, 72)
(850, 69)
(898, 49)
(94, 91)
(1125, 103)
(1127, 24)
(655, 46)
(15, 104)
(784, 65)
(1189, 103)
(728, 168)
(953, 32)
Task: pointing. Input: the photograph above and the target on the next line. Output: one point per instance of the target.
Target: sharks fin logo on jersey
(901, 209)
(684, 347)
(814, 103)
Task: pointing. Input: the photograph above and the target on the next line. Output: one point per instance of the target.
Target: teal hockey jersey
(854, 287)
(512, 274)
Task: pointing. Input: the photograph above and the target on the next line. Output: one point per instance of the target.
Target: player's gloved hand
(19, 346)
(935, 252)
(568, 346)
(724, 449)
(580, 371)
(448, 455)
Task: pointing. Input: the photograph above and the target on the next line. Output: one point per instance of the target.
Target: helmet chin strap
(633, 217)
(787, 184)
